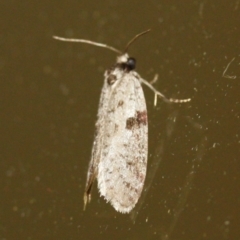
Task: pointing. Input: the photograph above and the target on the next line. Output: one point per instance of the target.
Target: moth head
(126, 62)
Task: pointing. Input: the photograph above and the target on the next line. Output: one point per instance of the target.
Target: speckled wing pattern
(119, 154)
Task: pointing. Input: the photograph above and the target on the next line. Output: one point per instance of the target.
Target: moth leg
(154, 79)
(159, 94)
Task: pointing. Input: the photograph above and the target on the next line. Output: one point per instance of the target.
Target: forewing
(122, 169)
(97, 144)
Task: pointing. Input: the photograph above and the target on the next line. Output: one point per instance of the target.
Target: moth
(120, 148)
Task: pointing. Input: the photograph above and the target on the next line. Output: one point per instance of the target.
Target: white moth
(120, 148)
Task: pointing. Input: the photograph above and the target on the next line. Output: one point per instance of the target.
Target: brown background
(49, 98)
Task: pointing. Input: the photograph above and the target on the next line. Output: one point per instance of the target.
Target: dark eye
(131, 64)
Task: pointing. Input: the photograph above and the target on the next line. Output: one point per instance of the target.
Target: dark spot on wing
(131, 122)
(120, 103)
(116, 128)
(141, 118)
(111, 79)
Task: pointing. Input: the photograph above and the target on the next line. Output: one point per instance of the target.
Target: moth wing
(97, 144)
(122, 169)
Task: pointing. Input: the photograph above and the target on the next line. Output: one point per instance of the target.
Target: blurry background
(49, 99)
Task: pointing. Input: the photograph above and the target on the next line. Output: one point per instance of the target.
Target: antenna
(135, 38)
(88, 42)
